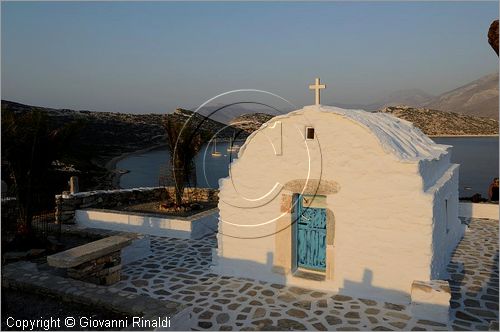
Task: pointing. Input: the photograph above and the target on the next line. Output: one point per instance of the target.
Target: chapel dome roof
(396, 136)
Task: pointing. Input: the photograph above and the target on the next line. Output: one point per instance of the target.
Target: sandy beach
(117, 173)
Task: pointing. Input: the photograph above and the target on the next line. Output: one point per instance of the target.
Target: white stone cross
(316, 86)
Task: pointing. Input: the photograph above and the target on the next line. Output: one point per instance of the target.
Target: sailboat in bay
(216, 153)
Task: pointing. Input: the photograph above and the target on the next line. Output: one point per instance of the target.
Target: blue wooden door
(311, 236)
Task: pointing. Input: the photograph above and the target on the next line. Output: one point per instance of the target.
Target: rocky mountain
(250, 122)
(477, 98)
(433, 122)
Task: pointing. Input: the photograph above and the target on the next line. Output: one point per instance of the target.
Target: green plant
(184, 141)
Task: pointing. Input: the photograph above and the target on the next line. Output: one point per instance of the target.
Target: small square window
(309, 133)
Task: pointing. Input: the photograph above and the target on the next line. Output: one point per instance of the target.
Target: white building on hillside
(341, 200)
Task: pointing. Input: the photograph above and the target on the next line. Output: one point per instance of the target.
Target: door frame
(295, 230)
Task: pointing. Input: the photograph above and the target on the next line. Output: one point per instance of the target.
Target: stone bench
(98, 262)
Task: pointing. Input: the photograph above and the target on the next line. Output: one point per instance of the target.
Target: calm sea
(478, 157)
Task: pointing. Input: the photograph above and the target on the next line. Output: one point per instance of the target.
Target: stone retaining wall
(67, 204)
(25, 276)
(105, 270)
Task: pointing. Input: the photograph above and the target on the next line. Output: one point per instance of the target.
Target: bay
(477, 156)
(478, 159)
(146, 168)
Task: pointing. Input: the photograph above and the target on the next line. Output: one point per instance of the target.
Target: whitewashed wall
(383, 218)
(192, 227)
(448, 229)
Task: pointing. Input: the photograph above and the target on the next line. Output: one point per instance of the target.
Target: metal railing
(44, 224)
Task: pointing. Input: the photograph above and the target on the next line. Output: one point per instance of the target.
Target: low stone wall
(195, 226)
(478, 210)
(67, 204)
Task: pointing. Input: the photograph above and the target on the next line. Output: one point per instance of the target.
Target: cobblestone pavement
(179, 271)
(474, 277)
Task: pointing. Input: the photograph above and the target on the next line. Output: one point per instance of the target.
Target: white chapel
(349, 201)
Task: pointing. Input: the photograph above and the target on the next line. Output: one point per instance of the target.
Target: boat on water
(216, 153)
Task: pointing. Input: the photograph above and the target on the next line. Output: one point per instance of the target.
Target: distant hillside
(404, 97)
(250, 122)
(223, 114)
(433, 122)
(478, 98)
(107, 132)
(412, 97)
(205, 124)
(106, 135)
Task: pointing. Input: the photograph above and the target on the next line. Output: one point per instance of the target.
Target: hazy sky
(153, 57)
